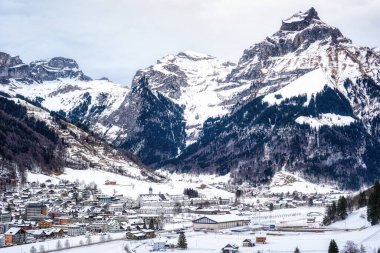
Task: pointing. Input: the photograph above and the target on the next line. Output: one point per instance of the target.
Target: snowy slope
(283, 182)
(68, 95)
(356, 219)
(326, 119)
(308, 84)
(132, 186)
(84, 151)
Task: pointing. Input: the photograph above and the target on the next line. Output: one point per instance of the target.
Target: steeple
(150, 190)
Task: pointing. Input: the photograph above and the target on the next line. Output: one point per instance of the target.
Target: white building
(215, 222)
(73, 230)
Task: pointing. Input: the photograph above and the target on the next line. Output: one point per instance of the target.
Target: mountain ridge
(307, 74)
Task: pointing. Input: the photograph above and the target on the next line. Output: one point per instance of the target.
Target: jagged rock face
(304, 43)
(39, 71)
(57, 67)
(12, 67)
(300, 21)
(155, 125)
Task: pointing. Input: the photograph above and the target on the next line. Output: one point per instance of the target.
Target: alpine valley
(304, 100)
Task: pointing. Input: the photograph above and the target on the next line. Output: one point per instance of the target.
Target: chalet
(37, 234)
(248, 243)
(63, 220)
(215, 222)
(149, 233)
(45, 224)
(54, 232)
(230, 249)
(136, 235)
(15, 236)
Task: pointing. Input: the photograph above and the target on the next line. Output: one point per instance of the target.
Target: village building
(45, 224)
(15, 236)
(114, 208)
(261, 239)
(2, 241)
(5, 217)
(230, 249)
(36, 211)
(248, 243)
(215, 222)
(73, 230)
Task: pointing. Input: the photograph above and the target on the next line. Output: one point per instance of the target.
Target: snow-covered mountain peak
(57, 63)
(193, 81)
(39, 71)
(301, 20)
(57, 67)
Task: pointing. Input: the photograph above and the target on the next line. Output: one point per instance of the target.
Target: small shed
(261, 239)
(248, 243)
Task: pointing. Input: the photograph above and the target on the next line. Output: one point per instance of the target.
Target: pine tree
(42, 249)
(297, 250)
(330, 215)
(89, 239)
(67, 243)
(182, 243)
(331, 212)
(371, 209)
(151, 224)
(373, 206)
(342, 208)
(362, 200)
(33, 250)
(333, 247)
(59, 245)
(351, 247)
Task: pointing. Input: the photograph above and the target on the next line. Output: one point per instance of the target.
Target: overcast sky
(114, 38)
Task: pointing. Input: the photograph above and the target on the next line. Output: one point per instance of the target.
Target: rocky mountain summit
(12, 67)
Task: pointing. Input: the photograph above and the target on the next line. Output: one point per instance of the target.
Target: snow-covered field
(131, 187)
(278, 242)
(326, 119)
(282, 182)
(73, 241)
(308, 84)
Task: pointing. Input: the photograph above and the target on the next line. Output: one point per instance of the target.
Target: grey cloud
(114, 38)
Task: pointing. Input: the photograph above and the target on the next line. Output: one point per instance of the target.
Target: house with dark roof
(15, 236)
(230, 248)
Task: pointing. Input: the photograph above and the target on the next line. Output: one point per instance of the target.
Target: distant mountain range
(305, 99)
